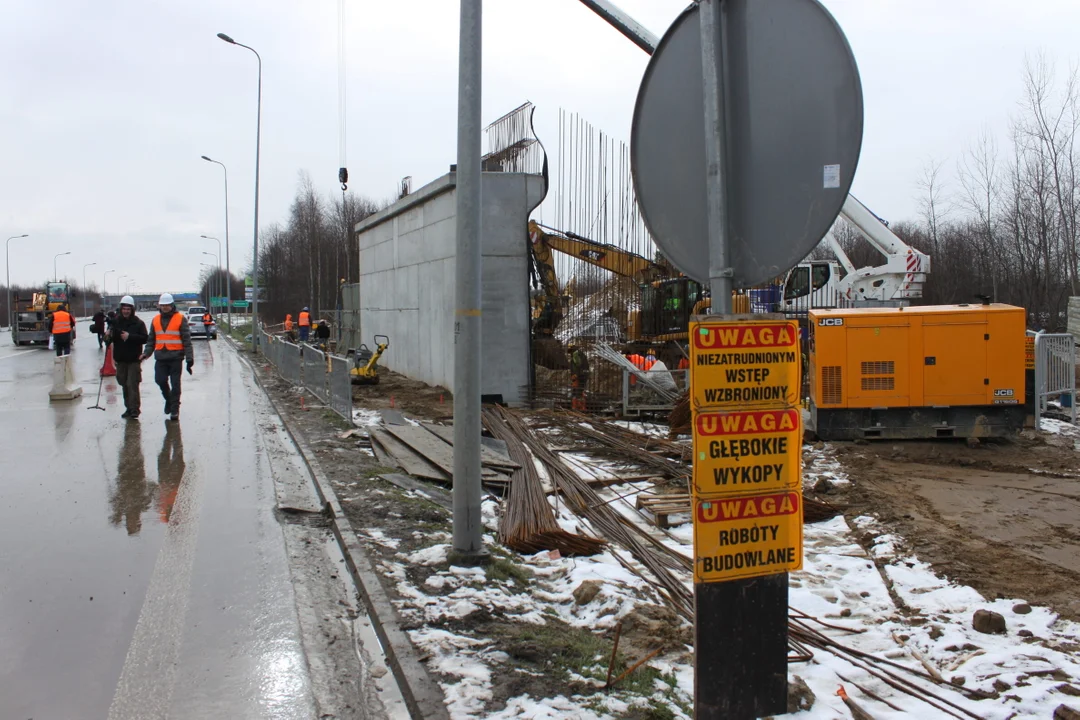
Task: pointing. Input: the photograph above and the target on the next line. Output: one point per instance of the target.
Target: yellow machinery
(31, 318)
(365, 369)
(917, 372)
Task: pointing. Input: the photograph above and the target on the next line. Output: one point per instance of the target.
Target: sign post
(745, 381)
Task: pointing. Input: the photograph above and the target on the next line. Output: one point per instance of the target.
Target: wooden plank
(488, 456)
(437, 495)
(383, 457)
(410, 461)
(432, 448)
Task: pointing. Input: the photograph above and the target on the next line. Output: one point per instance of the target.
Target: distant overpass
(148, 301)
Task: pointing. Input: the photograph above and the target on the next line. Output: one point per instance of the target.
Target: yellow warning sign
(736, 453)
(745, 364)
(745, 537)
(1029, 352)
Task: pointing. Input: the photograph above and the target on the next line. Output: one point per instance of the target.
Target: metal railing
(315, 372)
(638, 397)
(323, 375)
(1055, 372)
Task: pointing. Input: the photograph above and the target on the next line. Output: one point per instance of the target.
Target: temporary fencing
(315, 373)
(340, 385)
(1055, 372)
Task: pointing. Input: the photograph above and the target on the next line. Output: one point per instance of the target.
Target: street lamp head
(22, 236)
(66, 253)
(206, 158)
(226, 38)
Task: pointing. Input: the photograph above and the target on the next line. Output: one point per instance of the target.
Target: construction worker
(579, 377)
(128, 335)
(650, 360)
(638, 361)
(63, 330)
(305, 324)
(322, 334)
(97, 326)
(207, 321)
(288, 323)
(170, 344)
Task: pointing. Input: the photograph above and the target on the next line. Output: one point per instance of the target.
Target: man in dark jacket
(127, 333)
(97, 326)
(170, 344)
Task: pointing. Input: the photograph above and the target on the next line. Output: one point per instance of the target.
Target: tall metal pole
(213, 282)
(104, 290)
(7, 270)
(468, 528)
(255, 259)
(84, 286)
(228, 268)
(720, 272)
(56, 275)
(118, 285)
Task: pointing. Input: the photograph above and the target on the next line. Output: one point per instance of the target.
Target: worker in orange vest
(650, 360)
(63, 330)
(305, 324)
(288, 323)
(638, 361)
(170, 344)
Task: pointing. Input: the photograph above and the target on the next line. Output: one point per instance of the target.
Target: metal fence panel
(291, 367)
(340, 387)
(315, 373)
(1055, 371)
(350, 318)
(639, 397)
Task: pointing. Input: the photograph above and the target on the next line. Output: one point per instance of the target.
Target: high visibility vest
(649, 362)
(61, 322)
(168, 339)
(206, 318)
(684, 364)
(305, 319)
(288, 323)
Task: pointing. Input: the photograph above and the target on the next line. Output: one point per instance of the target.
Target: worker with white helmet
(127, 333)
(170, 344)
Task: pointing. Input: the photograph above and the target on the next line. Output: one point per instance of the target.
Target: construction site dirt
(1000, 516)
(396, 525)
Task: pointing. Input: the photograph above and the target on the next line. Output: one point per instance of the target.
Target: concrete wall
(407, 261)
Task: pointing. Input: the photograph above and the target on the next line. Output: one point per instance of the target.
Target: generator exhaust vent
(878, 367)
(878, 383)
(831, 385)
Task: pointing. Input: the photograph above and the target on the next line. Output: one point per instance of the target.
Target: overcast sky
(108, 104)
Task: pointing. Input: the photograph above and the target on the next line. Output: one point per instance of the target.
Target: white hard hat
(165, 299)
(128, 300)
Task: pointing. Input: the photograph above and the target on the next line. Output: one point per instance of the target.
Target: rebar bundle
(528, 523)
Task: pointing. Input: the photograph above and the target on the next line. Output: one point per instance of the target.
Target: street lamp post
(255, 258)
(208, 237)
(118, 284)
(56, 276)
(228, 269)
(104, 291)
(84, 287)
(7, 269)
(217, 269)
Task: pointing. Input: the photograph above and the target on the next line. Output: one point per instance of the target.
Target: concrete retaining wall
(407, 262)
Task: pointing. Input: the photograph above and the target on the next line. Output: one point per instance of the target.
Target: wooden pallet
(660, 507)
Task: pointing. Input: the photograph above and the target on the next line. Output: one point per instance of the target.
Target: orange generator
(917, 372)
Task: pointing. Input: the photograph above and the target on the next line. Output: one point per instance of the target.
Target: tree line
(303, 262)
(1007, 225)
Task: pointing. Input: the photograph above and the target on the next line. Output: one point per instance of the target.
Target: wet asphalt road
(142, 570)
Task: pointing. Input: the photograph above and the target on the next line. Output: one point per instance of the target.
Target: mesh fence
(290, 367)
(315, 373)
(340, 387)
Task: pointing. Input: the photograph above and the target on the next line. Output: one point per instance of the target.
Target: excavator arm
(609, 257)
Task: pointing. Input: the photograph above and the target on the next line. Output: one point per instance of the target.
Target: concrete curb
(422, 694)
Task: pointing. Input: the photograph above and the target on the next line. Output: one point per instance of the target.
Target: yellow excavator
(365, 370)
(668, 299)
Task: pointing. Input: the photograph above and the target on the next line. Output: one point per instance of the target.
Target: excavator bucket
(548, 352)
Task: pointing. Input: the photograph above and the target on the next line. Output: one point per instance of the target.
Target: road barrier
(315, 372)
(1055, 372)
(323, 375)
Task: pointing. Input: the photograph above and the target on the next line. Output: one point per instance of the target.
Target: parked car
(198, 327)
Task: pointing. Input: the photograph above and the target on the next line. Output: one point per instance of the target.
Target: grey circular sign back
(795, 124)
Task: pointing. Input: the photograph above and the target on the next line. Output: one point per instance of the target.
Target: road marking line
(148, 678)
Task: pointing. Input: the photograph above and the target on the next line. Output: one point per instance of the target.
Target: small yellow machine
(917, 372)
(365, 369)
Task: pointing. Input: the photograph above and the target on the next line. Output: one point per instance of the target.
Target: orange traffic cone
(108, 369)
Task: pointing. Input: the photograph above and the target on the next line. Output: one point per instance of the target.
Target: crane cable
(343, 172)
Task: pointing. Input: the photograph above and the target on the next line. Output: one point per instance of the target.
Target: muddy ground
(546, 656)
(1002, 516)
